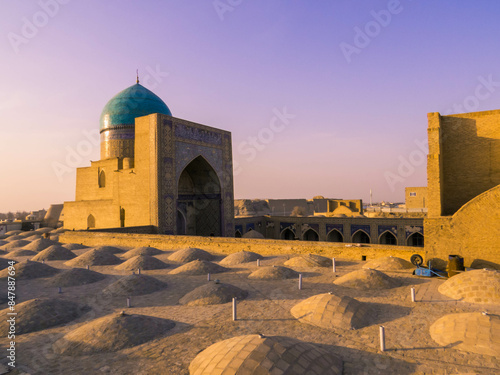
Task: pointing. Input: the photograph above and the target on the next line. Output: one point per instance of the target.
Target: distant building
(351, 207)
(416, 197)
(9, 225)
(386, 231)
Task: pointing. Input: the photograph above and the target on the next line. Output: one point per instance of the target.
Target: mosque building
(169, 174)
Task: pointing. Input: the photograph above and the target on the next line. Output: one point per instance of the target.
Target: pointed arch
(287, 234)
(90, 221)
(102, 178)
(197, 159)
(310, 235)
(415, 239)
(237, 234)
(335, 236)
(360, 236)
(122, 217)
(387, 238)
(199, 192)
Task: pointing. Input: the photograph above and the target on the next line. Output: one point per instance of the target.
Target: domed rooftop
(470, 332)
(477, 286)
(258, 354)
(135, 101)
(330, 311)
(367, 280)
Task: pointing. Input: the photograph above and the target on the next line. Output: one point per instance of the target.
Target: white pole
(138, 271)
(300, 281)
(60, 290)
(258, 262)
(333, 263)
(128, 302)
(208, 277)
(413, 295)
(234, 308)
(88, 267)
(382, 339)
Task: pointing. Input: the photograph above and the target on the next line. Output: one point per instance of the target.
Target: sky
(322, 98)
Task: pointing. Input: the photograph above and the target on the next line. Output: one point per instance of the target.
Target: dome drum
(117, 142)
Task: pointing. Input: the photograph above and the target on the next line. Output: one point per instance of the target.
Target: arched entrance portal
(360, 237)
(287, 234)
(199, 199)
(310, 235)
(90, 221)
(388, 238)
(416, 239)
(335, 236)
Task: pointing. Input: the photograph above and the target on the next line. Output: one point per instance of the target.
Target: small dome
(330, 311)
(367, 280)
(477, 286)
(470, 332)
(309, 260)
(388, 264)
(240, 257)
(253, 234)
(258, 354)
(135, 101)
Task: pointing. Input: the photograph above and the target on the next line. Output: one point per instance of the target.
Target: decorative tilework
(356, 227)
(391, 228)
(180, 143)
(290, 226)
(202, 135)
(410, 229)
(339, 227)
(306, 227)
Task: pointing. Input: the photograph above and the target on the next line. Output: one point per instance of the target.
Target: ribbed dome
(135, 101)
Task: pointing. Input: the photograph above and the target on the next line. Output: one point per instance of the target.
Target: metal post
(333, 264)
(128, 302)
(208, 277)
(300, 281)
(138, 271)
(60, 290)
(234, 309)
(382, 339)
(413, 295)
(258, 262)
(88, 267)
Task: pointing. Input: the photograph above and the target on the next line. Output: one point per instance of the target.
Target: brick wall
(220, 245)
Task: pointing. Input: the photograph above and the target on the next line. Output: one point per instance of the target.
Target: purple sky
(359, 102)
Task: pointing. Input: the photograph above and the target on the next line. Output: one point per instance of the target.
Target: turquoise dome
(124, 107)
